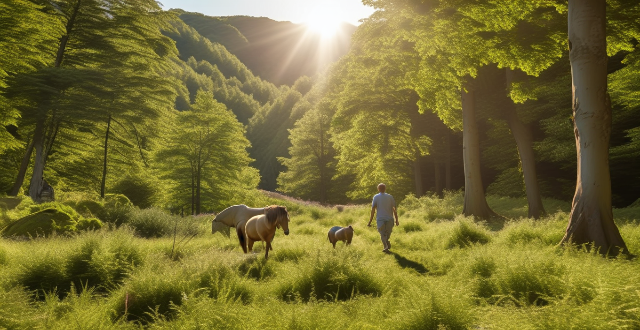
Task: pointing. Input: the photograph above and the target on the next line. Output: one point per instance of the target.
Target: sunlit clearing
(324, 20)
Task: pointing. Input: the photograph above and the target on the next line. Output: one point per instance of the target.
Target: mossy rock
(41, 223)
(89, 208)
(116, 200)
(10, 202)
(89, 224)
(60, 207)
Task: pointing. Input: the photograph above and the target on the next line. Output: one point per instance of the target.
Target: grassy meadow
(446, 272)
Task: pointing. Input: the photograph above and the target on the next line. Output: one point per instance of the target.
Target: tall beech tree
(591, 218)
(310, 167)
(96, 32)
(455, 39)
(205, 155)
(373, 84)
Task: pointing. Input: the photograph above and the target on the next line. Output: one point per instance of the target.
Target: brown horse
(235, 216)
(263, 228)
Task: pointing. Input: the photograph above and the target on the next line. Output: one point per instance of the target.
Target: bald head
(382, 187)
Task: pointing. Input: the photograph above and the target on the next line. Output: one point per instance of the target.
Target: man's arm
(395, 214)
(373, 212)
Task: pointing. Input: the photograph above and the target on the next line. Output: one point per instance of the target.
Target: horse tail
(243, 244)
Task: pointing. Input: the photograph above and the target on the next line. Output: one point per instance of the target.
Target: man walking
(386, 207)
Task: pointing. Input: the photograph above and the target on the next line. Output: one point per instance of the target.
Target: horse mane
(273, 212)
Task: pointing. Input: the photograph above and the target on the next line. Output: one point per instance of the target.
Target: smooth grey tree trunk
(35, 187)
(591, 219)
(524, 140)
(475, 203)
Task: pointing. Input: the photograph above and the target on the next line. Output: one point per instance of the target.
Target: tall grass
(331, 277)
(446, 272)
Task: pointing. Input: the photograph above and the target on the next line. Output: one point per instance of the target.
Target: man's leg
(383, 235)
(389, 229)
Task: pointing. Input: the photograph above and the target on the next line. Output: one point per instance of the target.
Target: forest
(507, 131)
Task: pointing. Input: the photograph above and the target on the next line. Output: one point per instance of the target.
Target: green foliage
(222, 284)
(258, 269)
(150, 223)
(521, 282)
(17, 310)
(411, 227)
(22, 21)
(332, 278)
(142, 191)
(89, 207)
(44, 273)
(89, 224)
(117, 209)
(289, 254)
(205, 157)
(3, 256)
(466, 233)
(148, 297)
(101, 266)
(508, 183)
(268, 130)
(438, 313)
(42, 223)
(310, 168)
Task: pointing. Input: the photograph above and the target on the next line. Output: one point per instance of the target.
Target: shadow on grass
(406, 263)
(496, 224)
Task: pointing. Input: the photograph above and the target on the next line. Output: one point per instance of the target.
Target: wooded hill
(279, 52)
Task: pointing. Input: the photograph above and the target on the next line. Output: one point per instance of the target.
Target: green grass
(446, 272)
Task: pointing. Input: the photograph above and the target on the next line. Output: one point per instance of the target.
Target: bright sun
(324, 21)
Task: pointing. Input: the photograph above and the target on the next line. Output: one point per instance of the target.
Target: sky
(296, 11)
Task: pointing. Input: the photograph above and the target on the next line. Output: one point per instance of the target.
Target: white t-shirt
(384, 204)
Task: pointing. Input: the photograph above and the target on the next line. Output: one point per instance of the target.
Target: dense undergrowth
(146, 268)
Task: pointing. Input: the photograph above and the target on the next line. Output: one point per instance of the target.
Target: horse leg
(250, 244)
(271, 240)
(266, 253)
(241, 239)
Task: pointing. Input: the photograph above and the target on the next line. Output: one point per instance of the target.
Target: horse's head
(279, 216)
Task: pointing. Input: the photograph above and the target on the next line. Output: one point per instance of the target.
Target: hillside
(279, 52)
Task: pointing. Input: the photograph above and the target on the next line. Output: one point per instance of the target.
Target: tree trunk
(475, 202)
(448, 161)
(144, 160)
(104, 161)
(323, 165)
(24, 165)
(35, 187)
(438, 176)
(417, 176)
(591, 219)
(198, 186)
(323, 189)
(524, 140)
(65, 38)
(193, 190)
